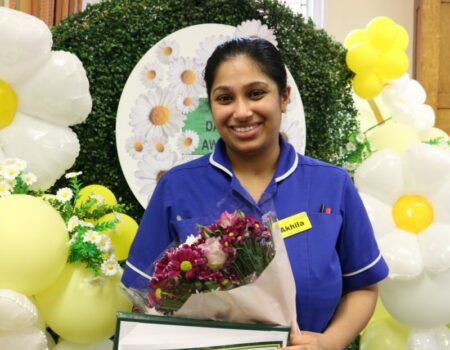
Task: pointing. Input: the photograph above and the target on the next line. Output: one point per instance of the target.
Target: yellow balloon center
(8, 104)
(412, 213)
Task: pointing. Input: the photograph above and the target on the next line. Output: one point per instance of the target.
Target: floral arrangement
(87, 242)
(357, 149)
(230, 253)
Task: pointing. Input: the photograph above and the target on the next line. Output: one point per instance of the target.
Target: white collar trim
(218, 165)
(290, 171)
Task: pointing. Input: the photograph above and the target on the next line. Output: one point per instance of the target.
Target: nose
(242, 109)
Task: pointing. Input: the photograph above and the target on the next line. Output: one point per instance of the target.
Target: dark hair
(265, 55)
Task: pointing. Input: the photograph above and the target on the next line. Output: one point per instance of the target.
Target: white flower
(185, 77)
(136, 145)
(408, 199)
(186, 103)
(64, 194)
(191, 239)
(92, 236)
(110, 267)
(29, 178)
(17, 163)
(157, 146)
(350, 146)
(97, 281)
(4, 188)
(156, 114)
(118, 217)
(360, 138)
(187, 141)
(104, 243)
(86, 224)
(151, 169)
(10, 172)
(254, 28)
(73, 174)
(74, 237)
(73, 222)
(152, 75)
(207, 47)
(53, 91)
(98, 198)
(167, 51)
(373, 148)
(291, 131)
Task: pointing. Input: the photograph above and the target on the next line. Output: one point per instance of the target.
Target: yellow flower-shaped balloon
(42, 93)
(408, 201)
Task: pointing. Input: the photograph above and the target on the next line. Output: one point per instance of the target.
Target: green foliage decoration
(111, 37)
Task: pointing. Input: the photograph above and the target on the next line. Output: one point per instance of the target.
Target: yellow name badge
(294, 224)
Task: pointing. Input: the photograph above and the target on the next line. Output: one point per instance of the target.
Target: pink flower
(214, 253)
(227, 219)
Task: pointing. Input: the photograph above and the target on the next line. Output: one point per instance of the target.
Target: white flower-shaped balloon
(408, 200)
(42, 93)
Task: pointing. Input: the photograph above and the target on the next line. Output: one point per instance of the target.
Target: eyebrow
(249, 85)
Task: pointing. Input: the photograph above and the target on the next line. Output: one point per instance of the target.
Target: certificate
(136, 331)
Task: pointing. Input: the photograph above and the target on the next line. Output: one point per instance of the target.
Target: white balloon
(401, 251)
(25, 43)
(381, 176)
(414, 92)
(441, 204)
(429, 339)
(380, 215)
(105, 344)
(31, 338)
(16, 311)
(48, 149)
(58, 92)
(424, 117)
(434, 244)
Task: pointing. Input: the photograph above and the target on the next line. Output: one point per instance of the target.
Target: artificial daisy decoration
(187, 141)
(37, 86)
(158, 146)
(187, 103)
(152, 74)
(156, 114)
(207, 46)
(64, 194)
(408, 201)
(167, 51)
(136, 146)
(255, 29)
(350, 147)
(185, 77)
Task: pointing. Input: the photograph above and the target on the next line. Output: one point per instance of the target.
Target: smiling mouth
(245, 128)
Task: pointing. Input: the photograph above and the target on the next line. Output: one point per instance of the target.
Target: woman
(336, 263)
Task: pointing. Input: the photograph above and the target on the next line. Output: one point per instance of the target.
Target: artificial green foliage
(112, 36)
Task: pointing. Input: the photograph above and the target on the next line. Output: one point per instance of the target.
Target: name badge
(294, 224)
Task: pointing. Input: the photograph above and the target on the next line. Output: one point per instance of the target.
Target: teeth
(245, 129)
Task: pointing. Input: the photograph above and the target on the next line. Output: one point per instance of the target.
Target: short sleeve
(360, 257)
(153, 236)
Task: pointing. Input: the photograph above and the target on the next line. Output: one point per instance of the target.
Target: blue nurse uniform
(338, 254)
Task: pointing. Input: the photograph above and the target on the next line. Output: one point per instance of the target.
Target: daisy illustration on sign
(164, 118)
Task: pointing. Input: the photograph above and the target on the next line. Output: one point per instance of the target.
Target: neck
(259, 164)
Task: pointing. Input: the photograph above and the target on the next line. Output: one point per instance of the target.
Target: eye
(256, 94)
(224, 99)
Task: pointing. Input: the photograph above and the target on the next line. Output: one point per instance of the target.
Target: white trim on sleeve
(363, 269)
(135, 269)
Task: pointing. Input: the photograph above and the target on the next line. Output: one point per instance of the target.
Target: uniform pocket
(186, 227)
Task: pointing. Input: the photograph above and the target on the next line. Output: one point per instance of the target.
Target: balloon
(429, 339)
(367, 85)
(31, 338)
(402, 40)
(16, 311)
(433, 133)
(79, 310)
(122, 234)
(412, 213)
(105, 344)
(361, 57)
(355, 36)
(379, 214)
(33, 239)
(384, 334)
(434, 243)
(101, 193)
(382, 32)
(392, 64)
(8, 104)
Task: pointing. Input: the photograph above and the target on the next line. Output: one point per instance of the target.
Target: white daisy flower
(98, 198)
(255, 29)
(73, 174)
(185, 77)
(92, 236)
(187, 141)
(29, 178)
(186, 103)
(110, 267)
(207, 47)
(152, 74)
(4, 188)
(167, 51)
(86, 224)
(44, 82)
(373, 148)
(157, 146)
(291, 131)
(73, 222)
(64, 194)
(150, 170)
(350, 146)
(191, 239)
(135, 146)
(10, 172)
(104, 243)
(360, 138)
(157, 114)
(97, 281)
(17, 163)
(118, 217)
(74, 237)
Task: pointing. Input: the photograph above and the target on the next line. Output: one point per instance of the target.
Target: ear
(285, 98)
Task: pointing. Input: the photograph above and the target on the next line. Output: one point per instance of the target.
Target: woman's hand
(309, 341)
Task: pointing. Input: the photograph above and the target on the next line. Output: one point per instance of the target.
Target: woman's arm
(353, 313)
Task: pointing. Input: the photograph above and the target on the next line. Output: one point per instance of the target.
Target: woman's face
(246, 107)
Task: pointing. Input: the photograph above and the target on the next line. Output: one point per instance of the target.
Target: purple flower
(185, 260)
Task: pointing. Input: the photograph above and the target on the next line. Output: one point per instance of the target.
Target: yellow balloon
(385, 334)
(101, 192)
(382, 32)
(367, 85)
(122, 234)
(355, 36)
(81, 311)
(361, 57)
(8, 104)
(393, 135)
(412, 213)
(402, 40)
(33, 239)
(392, 64)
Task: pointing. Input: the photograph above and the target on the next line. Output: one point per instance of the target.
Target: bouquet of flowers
(226, 272)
